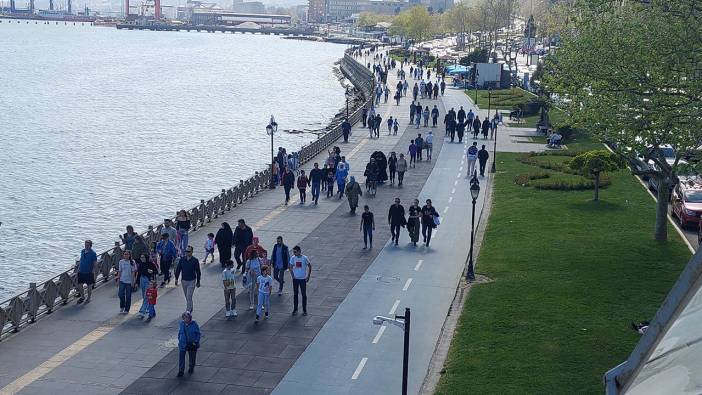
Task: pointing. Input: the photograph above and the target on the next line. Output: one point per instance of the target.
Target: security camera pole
(404, 323)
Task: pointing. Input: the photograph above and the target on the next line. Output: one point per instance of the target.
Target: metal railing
(26, 307)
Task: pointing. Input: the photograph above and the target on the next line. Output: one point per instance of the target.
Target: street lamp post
(271, 129)
(402, 321)
(474, 192)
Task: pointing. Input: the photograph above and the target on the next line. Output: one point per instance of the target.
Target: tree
(369, 19)
(639, 88)
(595, 163)
(458, 20)
(414, 23)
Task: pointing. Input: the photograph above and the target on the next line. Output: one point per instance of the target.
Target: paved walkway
(92, 349)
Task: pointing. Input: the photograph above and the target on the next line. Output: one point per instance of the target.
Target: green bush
(575, 183)
(525, 178)
(477, 56)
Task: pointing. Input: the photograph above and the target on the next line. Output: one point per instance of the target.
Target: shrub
(577, 183)
(525, 178)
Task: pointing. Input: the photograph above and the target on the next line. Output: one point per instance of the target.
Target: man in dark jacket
(243, 237)
(316, 177)
(346, 130)
(396, 219)
(483, 156)
(190, 267)
(279, 260)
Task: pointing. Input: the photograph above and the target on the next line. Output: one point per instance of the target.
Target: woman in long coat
(224, 240)
(353, 191)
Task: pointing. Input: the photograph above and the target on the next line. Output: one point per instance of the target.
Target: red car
(687, 201)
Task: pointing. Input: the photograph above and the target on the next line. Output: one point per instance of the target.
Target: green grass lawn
(500, 98)
(568, 276)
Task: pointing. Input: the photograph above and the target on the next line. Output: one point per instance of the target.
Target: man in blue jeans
(279, 260)
(301, 270)
(316, 177)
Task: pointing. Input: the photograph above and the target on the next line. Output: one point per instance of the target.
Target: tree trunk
(597, 186)
(661, 232)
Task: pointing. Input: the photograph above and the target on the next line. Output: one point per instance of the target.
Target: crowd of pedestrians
(256, 271)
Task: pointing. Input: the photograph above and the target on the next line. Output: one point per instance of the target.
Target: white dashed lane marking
(376, 339)
(416, 267)
(359, 368)
(394, 307)
(407, 284)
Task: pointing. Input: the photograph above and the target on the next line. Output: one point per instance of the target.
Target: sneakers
(294, 312)
(280, 292)
(304, 313)
(180, 373)
(257, 317)
(233, 313)
(251, 307)
(266, 316)
(140, 315)
(190, 370)
(121, 311)
(227, 313)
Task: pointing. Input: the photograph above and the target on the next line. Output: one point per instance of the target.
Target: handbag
(437, 220)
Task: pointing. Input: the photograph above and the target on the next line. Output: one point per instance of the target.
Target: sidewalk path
(350, 355)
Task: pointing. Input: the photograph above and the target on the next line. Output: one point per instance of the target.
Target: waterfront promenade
(92, 349)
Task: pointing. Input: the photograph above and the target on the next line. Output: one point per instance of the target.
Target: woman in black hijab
(224, 240)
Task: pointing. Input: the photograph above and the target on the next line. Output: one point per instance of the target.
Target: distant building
(340, 10)
(385, 7)
(440, 5)
(201, 16)
(317, 11)
(250, 7)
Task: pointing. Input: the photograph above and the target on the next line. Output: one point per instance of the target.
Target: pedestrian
(151, 297)
(461, 115)
(353, 191)
(229, 284)
(390, 122)
(486, 127)
(429, 221)
(412, 112)
(128, 238)
(401, 169)
(346, 129)
(470, 117)
(182, 227)
(146, 274)
(315, 180)
(412, 151)
(264, 282)
(188, 341)
(443, 86)
(396, 220)
(395, 127)
(476, 127)
(367, 227)
(415, 91)
(253, 270)
(429, 144)
(434, 116)
(139, 247)
(288, 182)
(425, 116)
(483, 156)
(209, 247)
(472, 155)
(86, 271)
(170, 231)
(378, 122)
(224, 241)
(255, 246)
(279, 260)
(167, 253)
(364, 116)
(405, 86)
(300, 270)
(342, 171)
(417, 115)
(392, 167)
(302, 183)
(330, 182)
(190, 267)
(242, 238)
(419, 142)
(126, 277)
(493, 125)
(413, 221)
(436, 91)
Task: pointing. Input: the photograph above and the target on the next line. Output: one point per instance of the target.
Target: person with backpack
(167, 253)
(188, 342)
(472, 155)
(302, 183)
(429, 221)
(346, 129)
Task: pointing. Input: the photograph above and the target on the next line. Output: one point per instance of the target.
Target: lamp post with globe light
(271, 129)
(474, 192)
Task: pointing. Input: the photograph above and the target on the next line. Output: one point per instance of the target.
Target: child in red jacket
(151, 296)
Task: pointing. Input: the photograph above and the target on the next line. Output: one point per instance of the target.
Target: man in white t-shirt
(229, 283)
(472, 155)
(301, 270)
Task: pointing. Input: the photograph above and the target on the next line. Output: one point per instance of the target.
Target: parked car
(686, 202)
(669, 154)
